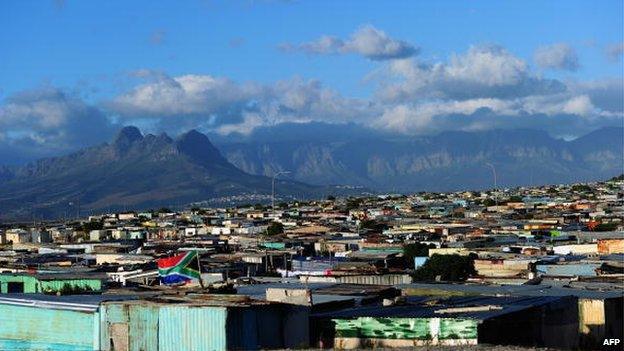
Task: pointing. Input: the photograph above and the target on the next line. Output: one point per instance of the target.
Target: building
(18, 283)
(418, 321)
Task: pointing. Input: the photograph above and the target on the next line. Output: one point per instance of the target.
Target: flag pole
(201, 282)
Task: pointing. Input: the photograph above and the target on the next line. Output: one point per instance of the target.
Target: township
(534, 266)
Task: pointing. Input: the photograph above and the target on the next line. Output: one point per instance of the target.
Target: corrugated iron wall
(129, 327)
(147, 326)
(242, 329)
(267, 327)
(386, 279)
(143, 327)
(47, 329)
(187, 328)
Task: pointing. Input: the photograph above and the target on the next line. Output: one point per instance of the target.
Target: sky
(74, 72)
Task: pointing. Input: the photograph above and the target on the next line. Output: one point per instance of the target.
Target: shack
(155, 322)
(200, 322)
(46, 322)
(32, 283)
(419, 321)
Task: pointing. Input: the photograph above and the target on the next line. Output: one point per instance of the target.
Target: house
(18, 283)
(18, 236)
(611, 246)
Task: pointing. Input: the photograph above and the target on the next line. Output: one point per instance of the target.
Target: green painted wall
(30, 283)
(33, 285)
(272, 245)
(406, 328)
(57, 285)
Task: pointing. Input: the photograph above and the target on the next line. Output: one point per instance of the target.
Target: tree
(275, 228)
(489, 202)
(331, 198)
(373, 225)
(448, 267)
(581, 188)
(618, 178)
(415, 250)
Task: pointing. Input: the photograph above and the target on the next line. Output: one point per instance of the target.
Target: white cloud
(367, 41)
(482, 72)
(483, 88)
(557, 56)
(570, 112)
(560, 115)
(209, 102)
(52, 120)
(188, 97)
(606, 94)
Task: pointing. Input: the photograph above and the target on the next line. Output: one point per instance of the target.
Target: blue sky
(78, 55)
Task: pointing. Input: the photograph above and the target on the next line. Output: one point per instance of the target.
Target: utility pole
(273, 191)
(494, 173)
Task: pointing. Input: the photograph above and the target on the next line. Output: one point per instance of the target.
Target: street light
(494, 173)
(273, 190)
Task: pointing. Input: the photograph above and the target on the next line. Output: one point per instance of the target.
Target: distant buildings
(543, 269)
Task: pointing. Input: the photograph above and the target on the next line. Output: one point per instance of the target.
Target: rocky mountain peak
(126, 137)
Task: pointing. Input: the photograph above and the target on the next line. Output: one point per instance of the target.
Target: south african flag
(179, 269)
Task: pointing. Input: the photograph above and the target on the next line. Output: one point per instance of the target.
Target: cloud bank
(485, 87)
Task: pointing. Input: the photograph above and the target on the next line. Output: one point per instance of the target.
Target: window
(15, 287)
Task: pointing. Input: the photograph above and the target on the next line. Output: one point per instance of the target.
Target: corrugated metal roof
(418, 307)
(517, 290)
(67, 302)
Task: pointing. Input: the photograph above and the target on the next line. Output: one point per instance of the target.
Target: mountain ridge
(133, 171)
(451, 160)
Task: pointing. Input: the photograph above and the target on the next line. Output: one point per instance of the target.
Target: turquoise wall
(186, 328)
(166, 328)
(34, 328)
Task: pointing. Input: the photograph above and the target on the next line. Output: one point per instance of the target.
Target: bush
(453, 268)
(275, 228)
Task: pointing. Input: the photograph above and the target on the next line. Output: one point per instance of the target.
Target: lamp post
(273, 190)
(494, 173)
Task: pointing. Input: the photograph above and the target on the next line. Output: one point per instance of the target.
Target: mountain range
(349, 154)
(137, 171)
(133, 172)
